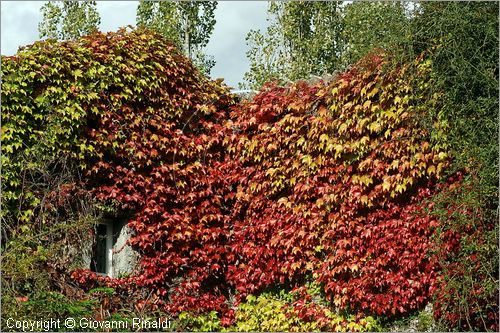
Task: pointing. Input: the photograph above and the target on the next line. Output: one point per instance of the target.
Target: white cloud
(19, 26)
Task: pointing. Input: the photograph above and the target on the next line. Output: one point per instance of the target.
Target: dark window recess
(106, 237)
(98, 263)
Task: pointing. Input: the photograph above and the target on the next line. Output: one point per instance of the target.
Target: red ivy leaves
(326, 181)
(332, 182)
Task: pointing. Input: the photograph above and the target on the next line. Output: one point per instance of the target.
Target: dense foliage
(330, 183)
(299, 310)
(311, 206)
(327, 180)
(115, 105)
(462, 39)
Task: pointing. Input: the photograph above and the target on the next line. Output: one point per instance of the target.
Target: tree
(462, 41)
(369, 25)
(188, 24)
(65, 20)
(305, 39)
(302, 39)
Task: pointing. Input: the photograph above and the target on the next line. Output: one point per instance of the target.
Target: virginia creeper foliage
(326, 182)
(330, 183)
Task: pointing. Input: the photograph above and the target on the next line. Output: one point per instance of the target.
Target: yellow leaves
(442, 155)
(394, 165)
(271, 172)
(240, 194)
(334, 108)
(139, 154)
(363, 141)
(363, 90)
(309, 266)
(199, 148)
(8, 148)
(277, 184)
(180, 184)
(252, 145)
(77, 73)
(320, 202)
(295, 106)
(204, 109)
(324, 143)
(324, 138)
(367, 104)
(375, 127)
(440, 168)
(431, 170)
(389, 114)
(342, 128)
(372, 92)
(400, 188)
(321, 93)
(363, 165)
(283, 201)
(271, 146)
(338, 150)
(338, 300)
(362, 123)
(307, 159)
(347, 106)
(365, 180)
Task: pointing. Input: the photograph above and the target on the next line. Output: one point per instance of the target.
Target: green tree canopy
(305, 39)
(302, 39)
(369, 25)
(65, 20)
(188, 24)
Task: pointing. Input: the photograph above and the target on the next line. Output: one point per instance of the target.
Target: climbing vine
(331, 183)
(328, 183)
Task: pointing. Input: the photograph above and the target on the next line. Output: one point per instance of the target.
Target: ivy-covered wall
(315, 200)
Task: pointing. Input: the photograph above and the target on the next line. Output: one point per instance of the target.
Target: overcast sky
(19, 20)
